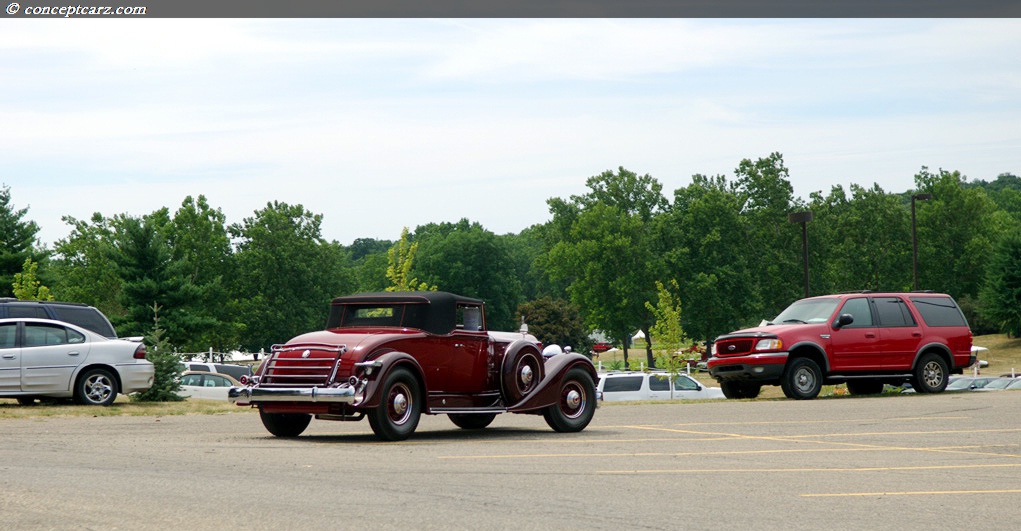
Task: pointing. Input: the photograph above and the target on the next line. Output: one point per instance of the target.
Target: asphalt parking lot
(929, 461)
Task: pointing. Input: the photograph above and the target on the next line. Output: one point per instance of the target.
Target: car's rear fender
(387, 363)
(547, 392)
(940, 350)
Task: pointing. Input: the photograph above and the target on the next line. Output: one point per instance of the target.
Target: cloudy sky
(381, 124)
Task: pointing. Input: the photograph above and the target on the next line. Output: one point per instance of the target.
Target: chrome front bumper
(242, 396)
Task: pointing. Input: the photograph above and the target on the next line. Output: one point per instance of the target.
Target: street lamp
(803, 218)
(914, 235)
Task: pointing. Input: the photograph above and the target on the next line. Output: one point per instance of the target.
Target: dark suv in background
(864, 339)
(75, 313)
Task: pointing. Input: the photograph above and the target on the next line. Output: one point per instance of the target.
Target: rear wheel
(285, 424)
(864, 387)
(576, 405)
(97, 387)
(931, 374)
(469, 421)
(802, 380)
(396, 417)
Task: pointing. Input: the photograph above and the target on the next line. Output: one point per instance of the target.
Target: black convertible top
(432, 311)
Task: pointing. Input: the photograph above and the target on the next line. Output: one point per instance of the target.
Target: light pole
(914, 235)
(803, 218)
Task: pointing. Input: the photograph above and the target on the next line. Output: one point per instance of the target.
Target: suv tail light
(140, 352)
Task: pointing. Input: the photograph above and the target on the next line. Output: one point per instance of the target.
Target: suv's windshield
(807, 311)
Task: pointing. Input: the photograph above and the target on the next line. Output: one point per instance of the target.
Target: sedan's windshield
(807, 311)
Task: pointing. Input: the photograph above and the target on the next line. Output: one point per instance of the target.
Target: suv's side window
(893, 312)
(939, 311)
(859, 309)
(34, 312)
(623, 383)
(659, 382)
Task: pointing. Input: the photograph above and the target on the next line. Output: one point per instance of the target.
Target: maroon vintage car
(394, 356)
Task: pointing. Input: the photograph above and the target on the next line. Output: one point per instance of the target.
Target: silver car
(46, 358)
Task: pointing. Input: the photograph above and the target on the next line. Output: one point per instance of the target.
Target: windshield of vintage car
(807, 311)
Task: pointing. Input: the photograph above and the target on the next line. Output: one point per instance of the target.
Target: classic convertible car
(393, 356)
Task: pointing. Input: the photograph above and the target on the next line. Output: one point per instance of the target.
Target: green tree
(602, 244)
(766, 196)
(555, 321)
(285, 274)
(666, 314)
(17, 241)
(956, 231)
(149, 275)
(400, 260)
(26, 285)
(200, 244)
(165, 363)
(861, 242)
(467, 259)
(84, 268)
(1001, 291)
(702, 240)
(369, 259)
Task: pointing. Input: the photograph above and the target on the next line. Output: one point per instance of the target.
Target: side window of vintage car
(469, 318)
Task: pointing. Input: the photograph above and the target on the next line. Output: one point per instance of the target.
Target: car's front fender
(547, 393)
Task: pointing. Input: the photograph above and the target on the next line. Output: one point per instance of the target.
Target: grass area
(123, 406)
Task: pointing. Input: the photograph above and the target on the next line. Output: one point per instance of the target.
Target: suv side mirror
(844, 320)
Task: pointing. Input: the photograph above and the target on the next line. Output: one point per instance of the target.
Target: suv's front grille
(734, 347)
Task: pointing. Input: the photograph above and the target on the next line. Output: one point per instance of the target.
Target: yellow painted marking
(914, 493)
(801, 470)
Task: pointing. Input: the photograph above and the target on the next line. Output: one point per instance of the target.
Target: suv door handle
(9, 356)
(870, 336)
(73, 353)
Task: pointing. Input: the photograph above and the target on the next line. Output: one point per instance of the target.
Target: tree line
(721, 253)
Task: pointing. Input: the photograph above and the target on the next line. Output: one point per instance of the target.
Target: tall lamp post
(803, 218)
(914, 235)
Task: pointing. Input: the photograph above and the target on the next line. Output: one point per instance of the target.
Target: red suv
(864, 339)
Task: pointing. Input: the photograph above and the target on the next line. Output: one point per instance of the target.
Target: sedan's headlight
(769, 344)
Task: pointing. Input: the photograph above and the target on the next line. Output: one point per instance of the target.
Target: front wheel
(96, 387)
(576, 405)
(285, 424)
(930, 374)
(396, 417)
(802, 380)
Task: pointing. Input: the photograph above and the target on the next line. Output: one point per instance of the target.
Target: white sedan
(46, 358)
(206, 385)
